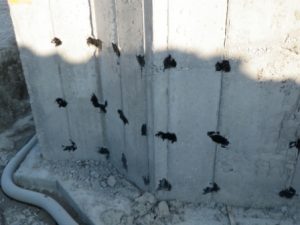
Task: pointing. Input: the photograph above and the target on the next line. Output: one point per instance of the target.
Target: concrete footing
(93, 199)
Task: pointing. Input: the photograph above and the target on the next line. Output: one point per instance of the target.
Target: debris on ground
(13, 212)
(107, 198)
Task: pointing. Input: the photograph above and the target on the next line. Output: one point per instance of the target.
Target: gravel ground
(108, 198)
(16, 213)
(13, 212)
(14, 100)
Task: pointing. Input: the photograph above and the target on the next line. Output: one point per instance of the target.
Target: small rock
(6, 144)
(103, 184)
(144, 203)
(147, 219)
(284, 209)
(163, 209)
(223, 210)
(111, 181)
(140, 209)
(94, 174)
(135, 193)
(295, 218)
(176, 219)
(176, 206)
(112, 216)
(146, 197)
(212, 205)
(129, 220)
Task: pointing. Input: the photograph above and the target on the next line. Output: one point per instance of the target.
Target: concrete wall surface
(154, 63)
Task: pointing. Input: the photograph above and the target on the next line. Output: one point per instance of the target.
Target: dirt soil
(106, 196)
(14, 100)
(13, 212)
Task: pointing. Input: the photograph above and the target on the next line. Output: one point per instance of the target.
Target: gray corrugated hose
(43, 201)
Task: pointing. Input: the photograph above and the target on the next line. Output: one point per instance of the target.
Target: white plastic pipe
(41, 200)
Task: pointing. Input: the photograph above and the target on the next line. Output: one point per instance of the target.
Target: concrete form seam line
(41, 200)
(230, 215)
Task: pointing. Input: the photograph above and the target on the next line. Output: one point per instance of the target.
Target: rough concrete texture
(82, 185)
(259, 102)
(123, 84)
(254, 104)
(14, 101)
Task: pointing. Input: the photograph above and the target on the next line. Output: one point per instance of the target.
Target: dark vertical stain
(141, 60)
(124, 162)
(116, 49)
(122, 117)
(169, 62)
(146, 180)
(144, 130)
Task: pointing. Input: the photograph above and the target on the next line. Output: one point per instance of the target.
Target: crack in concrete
(91, 18)
(56, 58)
(289, 115)
(116, 41)
(98, 72)
(221, 89)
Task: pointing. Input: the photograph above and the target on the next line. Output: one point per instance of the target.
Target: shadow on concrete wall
(249, 160)
(156, 117)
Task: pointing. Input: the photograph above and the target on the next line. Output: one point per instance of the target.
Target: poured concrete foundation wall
(254, 104)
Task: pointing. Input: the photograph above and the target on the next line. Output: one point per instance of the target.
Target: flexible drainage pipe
(43, 201)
